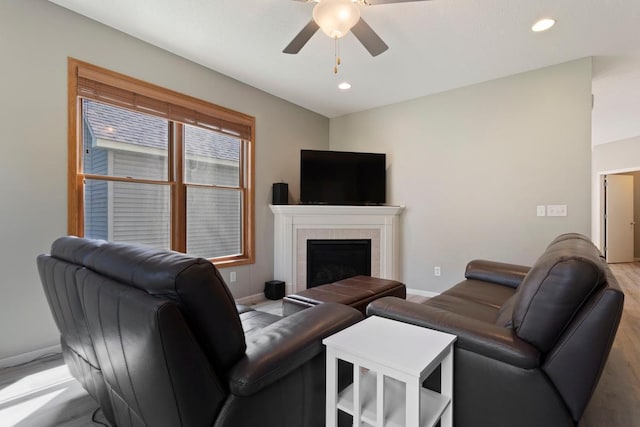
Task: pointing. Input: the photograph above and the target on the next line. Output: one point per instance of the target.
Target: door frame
(598, 220)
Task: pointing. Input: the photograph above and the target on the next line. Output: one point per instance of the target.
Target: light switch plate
(556, 210)
(541, 210)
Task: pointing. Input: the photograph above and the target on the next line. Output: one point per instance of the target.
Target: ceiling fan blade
(375, 2)
(301, 38)
(369, 39)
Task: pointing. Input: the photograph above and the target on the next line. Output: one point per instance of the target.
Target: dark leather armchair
(156, 338)
(532, 342)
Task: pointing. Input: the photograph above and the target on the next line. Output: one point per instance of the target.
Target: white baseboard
(29, 356)
(251, 299)
(422, 293)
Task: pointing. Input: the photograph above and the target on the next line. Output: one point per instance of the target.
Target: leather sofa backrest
(74, 250)
(158, 375)
(58, 277)
(57, 274)
(575, 364)
(194, 284)
(557, 286)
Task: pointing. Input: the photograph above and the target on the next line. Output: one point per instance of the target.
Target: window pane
(211, 158)
(128, 212)
(120, 142)
(214, 222)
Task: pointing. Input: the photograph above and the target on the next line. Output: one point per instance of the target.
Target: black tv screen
(342, 178)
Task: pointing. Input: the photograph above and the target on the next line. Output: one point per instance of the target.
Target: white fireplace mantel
(294, 224)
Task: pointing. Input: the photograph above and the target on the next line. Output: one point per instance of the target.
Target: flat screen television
(342, 178)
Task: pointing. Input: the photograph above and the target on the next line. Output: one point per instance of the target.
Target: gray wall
(36, 37)
(472, 164)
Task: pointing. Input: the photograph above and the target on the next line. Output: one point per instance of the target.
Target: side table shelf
(390, 361)
(432, 404)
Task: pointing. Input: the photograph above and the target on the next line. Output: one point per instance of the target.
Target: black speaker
(280, 193)
(274, 289)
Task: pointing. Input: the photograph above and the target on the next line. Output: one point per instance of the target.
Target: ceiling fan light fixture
(336, 17)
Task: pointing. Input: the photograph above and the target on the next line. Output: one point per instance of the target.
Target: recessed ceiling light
(543, 25)
(344, 86)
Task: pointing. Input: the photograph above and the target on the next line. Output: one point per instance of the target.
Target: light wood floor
(43, 393)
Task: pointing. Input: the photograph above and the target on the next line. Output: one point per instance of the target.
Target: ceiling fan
(336, 18)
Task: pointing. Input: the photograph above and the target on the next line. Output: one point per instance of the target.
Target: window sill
(232, 262)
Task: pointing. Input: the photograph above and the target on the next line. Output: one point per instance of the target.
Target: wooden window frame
(223, 117)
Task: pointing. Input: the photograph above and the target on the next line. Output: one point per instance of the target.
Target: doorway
(620, 208)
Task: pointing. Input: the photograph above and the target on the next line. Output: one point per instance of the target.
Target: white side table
(390, 361)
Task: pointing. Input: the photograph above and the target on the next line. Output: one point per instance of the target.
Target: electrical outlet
(232, 276)
(436, 271)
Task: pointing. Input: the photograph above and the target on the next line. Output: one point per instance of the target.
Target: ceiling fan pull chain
(335, 55)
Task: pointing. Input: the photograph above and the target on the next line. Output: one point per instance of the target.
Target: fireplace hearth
(330, 260)
(295, 224)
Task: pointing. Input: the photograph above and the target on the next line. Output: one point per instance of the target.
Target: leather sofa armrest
(478, 337)
(496, 272)
(287, 344)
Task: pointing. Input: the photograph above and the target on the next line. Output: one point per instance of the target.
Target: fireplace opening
(336, 259)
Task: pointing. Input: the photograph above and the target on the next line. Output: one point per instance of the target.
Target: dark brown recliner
(532, 342)
(170, 344)
(58, 277)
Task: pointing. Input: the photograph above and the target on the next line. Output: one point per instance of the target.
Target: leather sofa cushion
(474, 299)
(194, 283)
(254, 320)
(556, 287)
(486, 293)
(505, 315)
(496, 272)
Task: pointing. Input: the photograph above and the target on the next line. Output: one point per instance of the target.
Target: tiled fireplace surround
(295, 224)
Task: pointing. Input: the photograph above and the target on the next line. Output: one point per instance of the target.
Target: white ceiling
(434, 46)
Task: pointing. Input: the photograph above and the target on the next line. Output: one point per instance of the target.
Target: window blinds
(135, 95)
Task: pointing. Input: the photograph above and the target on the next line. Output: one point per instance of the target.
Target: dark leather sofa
(532, 342)
(156, 338)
